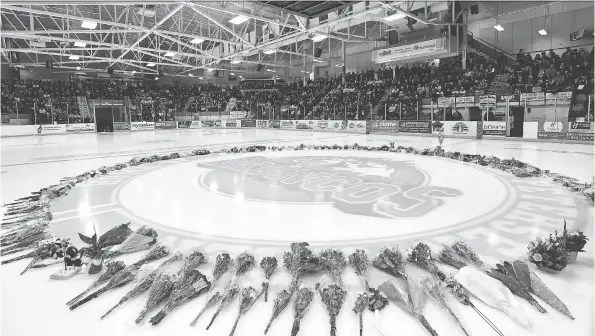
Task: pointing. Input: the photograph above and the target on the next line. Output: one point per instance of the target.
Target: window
(323, 18)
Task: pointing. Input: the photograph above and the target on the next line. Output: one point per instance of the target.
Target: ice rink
(254, 202)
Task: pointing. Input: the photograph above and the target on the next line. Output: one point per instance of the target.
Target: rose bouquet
(575, 241)
(268, 265)
(304, 297)
(299, 261)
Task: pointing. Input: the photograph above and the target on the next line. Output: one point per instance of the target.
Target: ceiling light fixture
(235, 62)
(197, 40)
(78, 68)
(151, 64)
(542, 32)
(318, 38)
(191, 75)
(156, 78)
(80, 44)
(269, 52)
(499, 28)
(317, 60)
(133, 72)
(89, 24)
(238, 20)
(394, 17)
(170, 54)
(73, 57)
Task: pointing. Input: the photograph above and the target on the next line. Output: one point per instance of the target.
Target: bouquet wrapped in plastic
(141, 239)
(390, 260)
(187, 287)
(248, 296)
(359, 261)
(222, 263)
(111, 268)
(435, 290)
(159, 292)
(280, 303)
(489, 290)
(144, 282)
(299, 261)
(228, 297)
(120, 279)
(333, 297)
(410, 297)
(304, 297)
(268, 265)
(518, 283)
(334, 263)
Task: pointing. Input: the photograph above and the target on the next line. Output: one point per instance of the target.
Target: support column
(464, 53)
(305, 74)
(343, 58)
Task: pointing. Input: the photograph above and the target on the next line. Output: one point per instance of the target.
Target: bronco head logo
(361, 186)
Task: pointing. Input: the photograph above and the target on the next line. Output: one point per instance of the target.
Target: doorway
(516, 119)
(104, 119)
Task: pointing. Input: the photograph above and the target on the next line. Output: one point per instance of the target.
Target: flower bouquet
(144, 282)
(188, 286)
(141, 239)
(304, 297)
(120, 279)
(111, 268)
(268, 265)
(390, 260)
(159, 292)
(518, 282)
(222, 263)
(230, 294)
(280, 303)
(575, 241)
(361, 302)
(334, 263)
(333, 297)
(359, 261)
(549, 255)
(299, 261)
(409, 297)
(248, 296)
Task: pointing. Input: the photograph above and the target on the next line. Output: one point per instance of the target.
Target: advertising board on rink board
(346, 126)
(142, 125)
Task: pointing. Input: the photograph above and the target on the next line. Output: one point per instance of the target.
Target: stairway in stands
(83, 106)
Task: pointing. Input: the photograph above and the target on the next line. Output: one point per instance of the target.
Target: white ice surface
(34, 305)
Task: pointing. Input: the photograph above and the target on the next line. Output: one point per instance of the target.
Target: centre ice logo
(360, 186)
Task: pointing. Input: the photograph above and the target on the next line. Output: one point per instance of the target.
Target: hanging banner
(237, 114)
(465, 100)
(494, 128)
(248, 123)
(531, 96)
(142, 125)
(415, 126)
(165, 125)
(559, 95)
(445, 101)
(424, 48)
(384, 126)
(552, 130)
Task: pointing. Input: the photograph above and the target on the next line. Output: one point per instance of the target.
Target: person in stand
(489, 115)
(457, 116)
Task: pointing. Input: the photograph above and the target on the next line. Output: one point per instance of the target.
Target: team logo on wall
(322, 124)
(360, 186)
(460, 128)
(553, 126)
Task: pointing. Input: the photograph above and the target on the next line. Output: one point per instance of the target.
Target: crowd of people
(352, 95)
